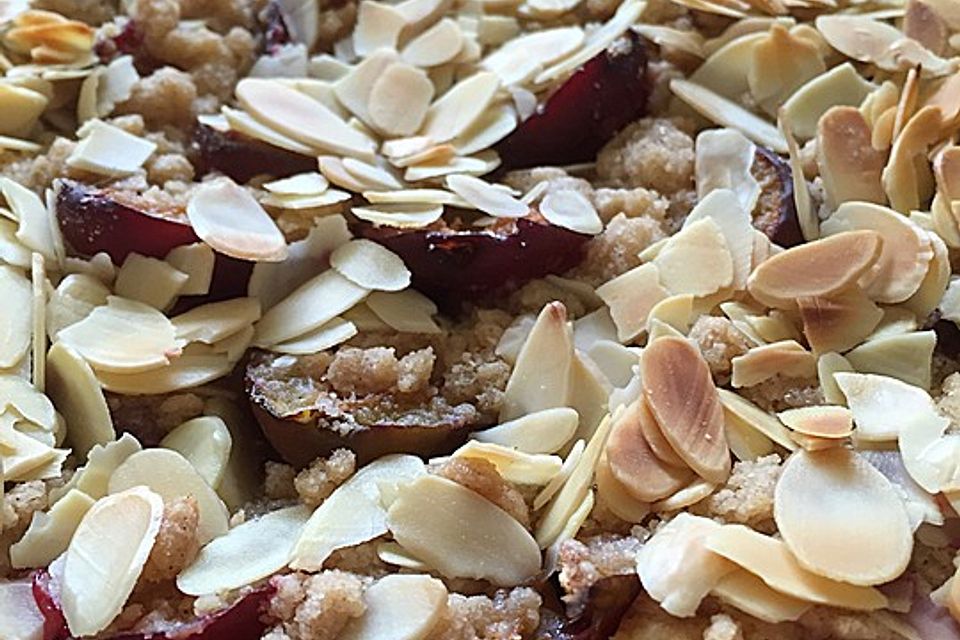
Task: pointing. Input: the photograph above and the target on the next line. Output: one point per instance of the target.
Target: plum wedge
(242, 158)
(607, 93)
(776, 212)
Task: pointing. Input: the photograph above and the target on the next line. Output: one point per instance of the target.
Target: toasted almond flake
(205, 442)
(196, 261)
(249, 552)
(829, 364)
(653, 435)
(631, 297)
(748, 593)
(407, 311)
(246, 124)
(677, 569)
(49, 533)
(370, 265)
(838, 87)
(770, 560)
(906, 182)
(435, 46)
(302, 184)
(822, 497)
(725, 112)
(838, 322)
(860, 38)
(723, 161)
(392, 553)
(819, 421)
(25, 107)
(460, 107)
(399, 100)
(312, 304)
(487, 197)
(756, 418)
(633, 463)
(73, 387)
(787, 358)
(301, 117)
(107, 150)
(402, 216)
(614, 495)
(378, 26)
(513, 465)
(462, 534)
(676, 312)
(683, 399)
(702, 242)
(849, 165)
(906, 356)
(399, 607)
(812, 269)
(781, 63)
(15, 322)
(725, 70)
(495, 124)
(540, 378)
(172, 476)
(231, 221)
(113, 539)
(324, 337)
(123, 336)
(544, 431)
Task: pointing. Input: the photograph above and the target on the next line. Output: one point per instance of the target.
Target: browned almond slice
(683, 399)
(818, 268)
(634, 465)
(850, 166)
(616, 497)
(787, 358)
(655, 438)
(822, 421)
(838, 322)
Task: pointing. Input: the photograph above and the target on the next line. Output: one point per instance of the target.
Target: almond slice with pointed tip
(615, 496)
(301, 117)
(823, 499)
(487, 197)
(302, 184)
(676, 568)
(545, 431)
(570, 209)
(370, 265)
(849, 165)
(73, 387)
(682, 397)
(534, 469)
(205, 442)
(49, 533)
(113, 540)
(770, 560)
(460, 107)
(840, 321)
(401, 216)
(15, 324)
(215, 321)
(378, 26)
(753, 417)
(881, 405)
(633, 463)
(435, 46)
(818, 268)
(787, 358)
(821, 421)
(462, 534)
(654, 436)
(748, 593)
(702, 242)
(399, 607)
(688, 496)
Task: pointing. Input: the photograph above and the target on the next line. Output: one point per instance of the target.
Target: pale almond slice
(906, 251)
(401, 216)
(746, 441)
(246, 124)
(570, 209)
(770, 560)
(394, 554)
(559, 480)
(311, 305)
(688, 496)
(654, 436)
(15, 322)
(515, 466)
(812, 269)
(545, 431)
(328, 198)
(196, 261)
(25, 107)
(838, 322)
(172, 476)
(850, 166)
(251, 551)
(634, 464)
(370, 265)
(302, 184)
(215, 321)
(614, 495)
(50, 532)
(676, 312)
(921, 506)
(399, 100)
(421, 197)
(723, 161)
(36, 229)
(730, 211)
(124, 337)
(19, 614)
(74, 388)
(677, 569)
(725, 70)
(683, 399)
(302, 118)
(496, 123)
(435, 46)
(205, 442)
(787, 358)
(935, 283)
(114, 539)
(231, 221)
(702, 242)
(378, 26)
(822, 497)
(631, 297)
(829, 364)
(840, 86)
(487, 197)
(906, 356)
(753, 417)
(371, 176)
(326, 336)
(807, 217)
(748, 593)
(150, 281)
(481, 164)
(407, 311)
(107, 150)
(882, 405)
(460, 107)
(399, 607)
(462, 534)
(858, 37)
(820, 421)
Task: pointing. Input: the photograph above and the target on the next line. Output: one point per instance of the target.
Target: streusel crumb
(318, 481)
(363, 371)
(278, 481)
(316, 607)
(507, 615)
(617, 249)
(482, 477)
(654, 153)
(719, 342)
(747, 498)
(584, 563)
(177, 544)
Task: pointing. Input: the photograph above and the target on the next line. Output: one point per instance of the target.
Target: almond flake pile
(496, 320)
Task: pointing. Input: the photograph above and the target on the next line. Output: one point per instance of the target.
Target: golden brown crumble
(654, 153)
(335, 22)
(363, 371)
(177, 544)
(318, 481)
(278, 481)
(615, 251)
(719, 342)
(20, 503)
(507, 615)
(747, 498)
(165, 97)
(481, 476)
(316, 607)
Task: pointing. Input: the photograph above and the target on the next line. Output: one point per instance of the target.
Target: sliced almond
(753, 417)
(197, 262)
(677, 569)
(399, 100)
(850, 166)
(838, 322)
(326, 336)
(750, 594)
(819, 421)
(114, 539)
(840, 86)
(771, 560)
(435, 46)
(654, 436)
(723, 161)
(921, 506)
(544, 431)
(460, 107)
(746, 441)
(615, 496)
(934, 284)
(108, 150)
(399, 607)
(402, 216)
(787, 358)
(906, 356)
(730, 211)
(702, 242)
(49, 533)
(378, 26)
(246, 124)
(858, 37)
(822, 497)
(813, 269)
(487, 197)
(682, 397)
(370, 265)
(172, 476)
(513, 465)
(73, 387)
(215, 321)
(462, 534)
(205, 442)
(559, 480)
(150, 281)
(491, 127)
(633, 463)
(229, 219)
(251, 551)
(631, 297)
(688, 496)
(782, 63)
(15, 323)
(881, 404)
(571, 210)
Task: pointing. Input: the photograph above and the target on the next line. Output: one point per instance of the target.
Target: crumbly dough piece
(177, 544)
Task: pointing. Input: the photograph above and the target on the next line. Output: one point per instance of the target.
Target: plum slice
(452, 265)
(303, 417)
(604, 95)
(606, 603)
(45, 592)
(776, 211)
(242, 157)
(97, 220)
